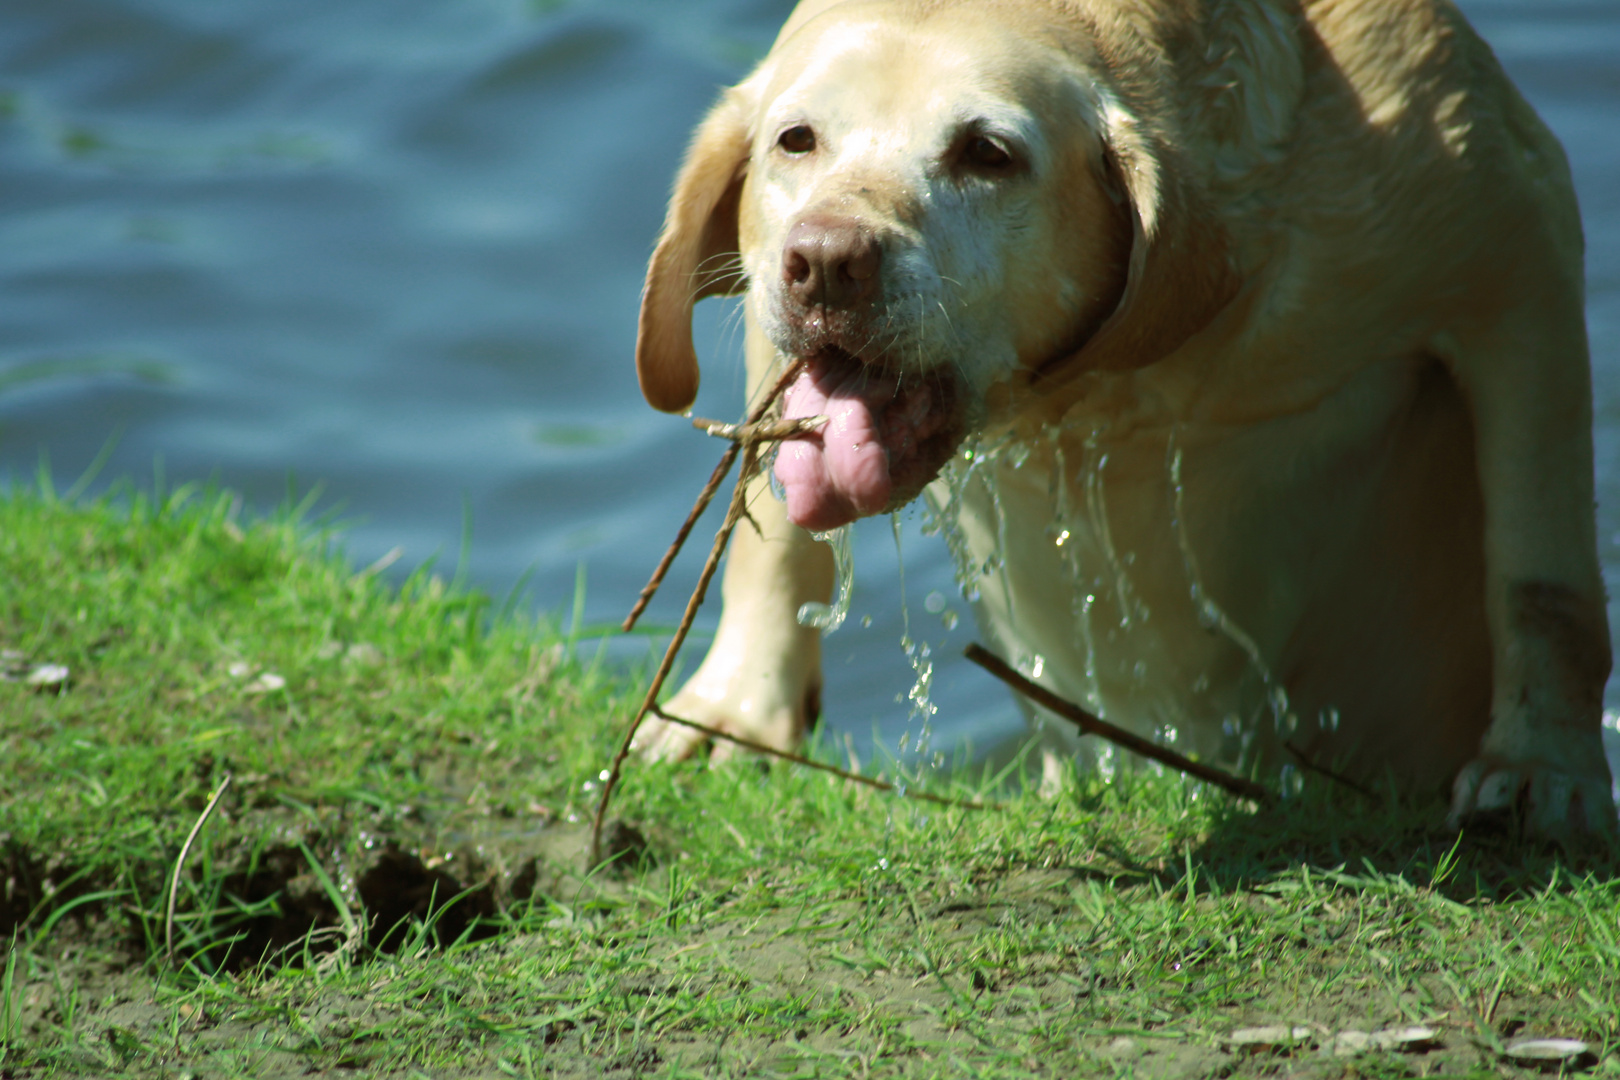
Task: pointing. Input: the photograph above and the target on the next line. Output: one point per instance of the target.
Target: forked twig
(881, 785)
(702, 504)
(738, 509)
(180, 863)
(746, 439)
(707, 495)
(733, 515)
(1093, 725)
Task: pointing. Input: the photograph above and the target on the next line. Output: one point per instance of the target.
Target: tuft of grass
(393, 884)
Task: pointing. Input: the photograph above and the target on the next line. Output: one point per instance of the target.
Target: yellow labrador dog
(1244, 338)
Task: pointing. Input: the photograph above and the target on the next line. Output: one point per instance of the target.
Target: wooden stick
(1092, 725)
(734, 513)
(702, 504)
(706, 496)
(764, 431)
(1307, 763)
(722, 538)
(881, 785)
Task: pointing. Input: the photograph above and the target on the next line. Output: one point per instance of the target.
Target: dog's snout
(830, 262)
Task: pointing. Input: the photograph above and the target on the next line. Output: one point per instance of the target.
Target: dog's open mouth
(888, 434)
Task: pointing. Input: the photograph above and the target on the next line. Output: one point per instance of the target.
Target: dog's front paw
(773, 720)
(1562, 805)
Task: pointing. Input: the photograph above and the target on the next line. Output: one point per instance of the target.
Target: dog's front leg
(761, 678)
(1529, 391)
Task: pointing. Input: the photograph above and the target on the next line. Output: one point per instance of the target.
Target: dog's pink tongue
(842, 472)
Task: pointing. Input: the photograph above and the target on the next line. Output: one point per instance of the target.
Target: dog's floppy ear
(696, 254)
(1180, 272)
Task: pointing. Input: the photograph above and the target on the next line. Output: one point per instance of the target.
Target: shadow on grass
(1489, 860)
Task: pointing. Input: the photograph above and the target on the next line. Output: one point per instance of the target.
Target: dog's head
(926, 201)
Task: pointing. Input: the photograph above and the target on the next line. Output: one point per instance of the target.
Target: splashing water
(1108, 609)
(829, 617)
(1210, 614)
(1131, 609)
(944, 510)
(919, 655)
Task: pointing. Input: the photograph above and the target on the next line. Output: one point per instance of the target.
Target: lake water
(394, 247)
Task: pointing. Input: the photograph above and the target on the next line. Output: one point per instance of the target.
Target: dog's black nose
(830, 262)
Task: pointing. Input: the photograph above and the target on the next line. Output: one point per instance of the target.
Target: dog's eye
(983, 152)
(799, 139)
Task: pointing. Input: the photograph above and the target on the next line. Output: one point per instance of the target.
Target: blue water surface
(394, 248)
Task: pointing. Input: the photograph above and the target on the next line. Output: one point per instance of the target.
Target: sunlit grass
(786, 922)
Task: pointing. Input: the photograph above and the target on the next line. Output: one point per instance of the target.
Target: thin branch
(722, 538)
(668, 560)
(180, 863)
(754, 416)
(881, 785)
(1323, 770)
(1092, 725)
(734, 513)
(764, 431)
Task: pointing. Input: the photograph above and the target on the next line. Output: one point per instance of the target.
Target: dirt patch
(401, 879)
(33, 883)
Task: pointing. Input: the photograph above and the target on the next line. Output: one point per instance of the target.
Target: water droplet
(829, 617)
(603, 775)
(934, 602)
(1293, 781)
(1037, 666)
(866, 621)
(1062, 537)
(949, 618)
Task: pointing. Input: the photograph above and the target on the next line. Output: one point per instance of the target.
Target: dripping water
(1211, 615)
(829, 617)
(920, 656)
(1083, 591)
(1131, 610)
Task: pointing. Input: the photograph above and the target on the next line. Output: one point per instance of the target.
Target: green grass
(393, 884)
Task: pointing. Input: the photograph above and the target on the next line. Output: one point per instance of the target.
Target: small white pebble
(267, 683)
(1270, 1037)
(1542, 1050)
(1350, 1043)
(1406, 1038)
(48, 676)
